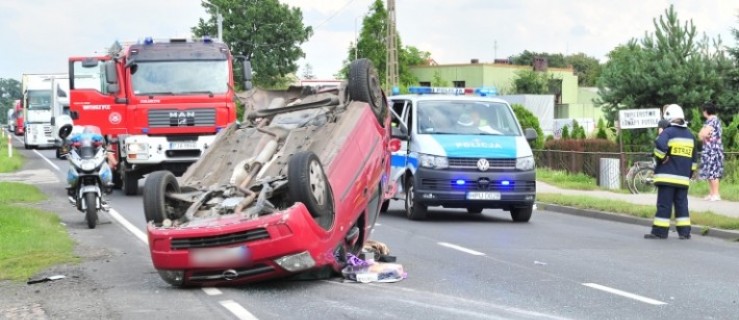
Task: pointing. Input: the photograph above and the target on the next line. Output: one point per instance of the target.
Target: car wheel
(364, 85)
(385, 206)
(522, 214)
(307, 183)
(157, 185)
(474, 210)
(117, 180)
(130, 183)
(413, 210)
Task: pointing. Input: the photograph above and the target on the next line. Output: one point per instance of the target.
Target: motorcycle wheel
(91, 213)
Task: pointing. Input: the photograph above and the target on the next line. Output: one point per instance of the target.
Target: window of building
(424, 83)
(458, 84)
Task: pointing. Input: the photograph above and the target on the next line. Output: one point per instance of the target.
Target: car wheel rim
(317, 183)
(409, 199)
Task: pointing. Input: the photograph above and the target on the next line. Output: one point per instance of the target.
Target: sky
(37, 36)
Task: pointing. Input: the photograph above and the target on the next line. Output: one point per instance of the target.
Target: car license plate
(217, 256)
(483, 196)
(183, 145)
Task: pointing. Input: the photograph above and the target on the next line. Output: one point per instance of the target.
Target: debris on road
(373, 265)
(46, 279)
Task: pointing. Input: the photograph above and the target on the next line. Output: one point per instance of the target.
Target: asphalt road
(460, 266)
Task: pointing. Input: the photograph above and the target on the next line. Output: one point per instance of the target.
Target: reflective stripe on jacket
(676, 156)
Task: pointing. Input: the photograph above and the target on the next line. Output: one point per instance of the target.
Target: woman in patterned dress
(712, 157)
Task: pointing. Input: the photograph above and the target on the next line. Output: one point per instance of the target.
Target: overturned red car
(289, 191)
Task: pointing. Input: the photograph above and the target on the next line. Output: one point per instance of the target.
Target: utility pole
(391, 71)
(219, 20)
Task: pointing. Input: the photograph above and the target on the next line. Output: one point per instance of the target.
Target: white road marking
(47, 160)
(624, 294)
(212, 291)
(463, 249)
(238, 310)
(136, 231)
(377, 224)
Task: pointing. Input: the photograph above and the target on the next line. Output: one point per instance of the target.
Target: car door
(400, 110)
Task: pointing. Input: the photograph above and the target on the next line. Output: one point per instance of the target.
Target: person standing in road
(712, 157)
(676, 162)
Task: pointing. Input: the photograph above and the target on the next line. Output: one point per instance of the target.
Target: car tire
(307, 183)
(130, 183)
(522, 214)
(117, 180)
(413, 209)
(474, 210)
(364, 86)
(385, 206)
(157, 185)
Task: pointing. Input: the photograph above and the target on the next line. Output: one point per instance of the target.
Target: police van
(461, 148)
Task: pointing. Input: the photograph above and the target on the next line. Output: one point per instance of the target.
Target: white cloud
(39, 35)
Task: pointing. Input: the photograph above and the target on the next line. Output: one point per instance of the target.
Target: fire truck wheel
(157, 185)
(130, 183)
(364, 85)
(307, 183)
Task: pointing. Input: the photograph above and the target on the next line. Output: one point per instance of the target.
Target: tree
(10, 90)
(531, 82)
(308, 72)
(372, 44)
(586, 68)
(528, 120)
(267, 32)
(526, 58)
(669, 66)
(601, 134)
(438, 81)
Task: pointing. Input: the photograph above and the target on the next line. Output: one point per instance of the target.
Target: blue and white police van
(461, 151)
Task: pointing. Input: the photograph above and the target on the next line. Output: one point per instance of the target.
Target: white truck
(59, 107)
(37, 105)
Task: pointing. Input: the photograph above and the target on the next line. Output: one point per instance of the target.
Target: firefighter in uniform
(677, 160)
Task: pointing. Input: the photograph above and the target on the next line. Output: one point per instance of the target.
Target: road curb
(617, 217)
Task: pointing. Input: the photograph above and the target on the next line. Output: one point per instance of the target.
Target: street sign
(639, 118)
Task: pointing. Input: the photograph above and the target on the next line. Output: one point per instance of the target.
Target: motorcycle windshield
(87, 149)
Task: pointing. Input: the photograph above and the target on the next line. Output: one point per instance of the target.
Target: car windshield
(39, 100)
(466, 117)
(180, 77)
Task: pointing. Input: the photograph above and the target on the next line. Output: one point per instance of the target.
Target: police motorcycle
(89, 175)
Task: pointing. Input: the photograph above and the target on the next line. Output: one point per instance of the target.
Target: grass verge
(565, 180)
(9, 164)
(31, 240)
(729, 191)
(704, 218)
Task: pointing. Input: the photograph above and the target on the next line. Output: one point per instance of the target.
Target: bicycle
(640, 178)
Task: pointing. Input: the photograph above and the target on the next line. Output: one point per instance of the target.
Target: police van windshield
(466, 117)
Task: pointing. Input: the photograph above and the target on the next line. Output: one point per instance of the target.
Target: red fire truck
(160, 104)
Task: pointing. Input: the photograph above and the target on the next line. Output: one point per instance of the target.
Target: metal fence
(589, 163)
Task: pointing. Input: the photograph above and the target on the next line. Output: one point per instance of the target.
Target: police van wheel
(364, 85)
(413, 209)
(522, 214)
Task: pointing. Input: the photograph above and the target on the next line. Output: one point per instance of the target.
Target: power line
(334, 14)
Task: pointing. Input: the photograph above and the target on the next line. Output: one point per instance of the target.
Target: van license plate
(483, 196)
(183, 145)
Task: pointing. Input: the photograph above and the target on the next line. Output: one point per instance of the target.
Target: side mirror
(111, 73)
(113, 88)
(530, 134)
(90, 63)
(399, 133)
(248, 73)
(53, 121)
(74, 115)
(65, 126)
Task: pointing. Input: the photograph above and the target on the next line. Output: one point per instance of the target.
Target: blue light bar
(436, 90)
(207, 39)
(148, 40)
(486, 91)
(460, 182)
(505, 182)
